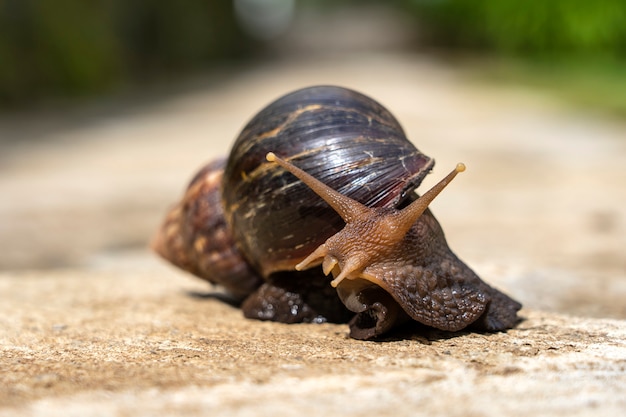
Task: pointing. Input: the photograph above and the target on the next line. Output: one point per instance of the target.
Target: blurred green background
(69, 48)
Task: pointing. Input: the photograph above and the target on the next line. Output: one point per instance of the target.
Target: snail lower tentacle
(376, 310)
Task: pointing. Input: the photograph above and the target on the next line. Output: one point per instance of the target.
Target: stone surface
(93, 324)
(144, 341)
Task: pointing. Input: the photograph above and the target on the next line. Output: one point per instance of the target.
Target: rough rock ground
(93, 324)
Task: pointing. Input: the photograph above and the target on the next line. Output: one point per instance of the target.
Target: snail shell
(341, 137)
(246, 225)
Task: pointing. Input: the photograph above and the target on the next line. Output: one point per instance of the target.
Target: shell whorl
(343, 138)
(195, 236)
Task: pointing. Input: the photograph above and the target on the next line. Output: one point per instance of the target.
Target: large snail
(325, 175)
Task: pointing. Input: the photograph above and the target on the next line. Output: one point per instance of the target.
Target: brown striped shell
(244, 224)
(343, 138)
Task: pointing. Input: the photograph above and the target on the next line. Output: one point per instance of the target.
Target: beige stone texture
(91, 323)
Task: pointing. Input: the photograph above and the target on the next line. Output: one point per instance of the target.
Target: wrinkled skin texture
(402, 251)
(246, 225)
(431, 285)
(304, 297)
(436, 288)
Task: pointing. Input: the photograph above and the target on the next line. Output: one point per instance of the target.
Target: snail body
(249, 224)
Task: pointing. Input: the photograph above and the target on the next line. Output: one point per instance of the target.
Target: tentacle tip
(271, 156)
(460, 167)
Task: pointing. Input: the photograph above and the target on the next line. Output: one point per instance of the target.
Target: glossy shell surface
(341, 137)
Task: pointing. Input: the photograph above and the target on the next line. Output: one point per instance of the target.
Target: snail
(326, 176)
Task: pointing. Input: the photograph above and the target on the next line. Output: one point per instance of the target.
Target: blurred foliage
(531, 27)
(76, 47)
(598, 84)
(574, 48)
(73, 47)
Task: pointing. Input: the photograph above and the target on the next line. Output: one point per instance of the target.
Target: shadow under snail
(325, 176)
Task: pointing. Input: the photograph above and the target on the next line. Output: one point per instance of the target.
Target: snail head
(370, 249)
